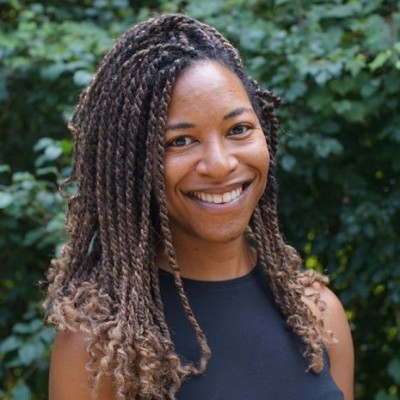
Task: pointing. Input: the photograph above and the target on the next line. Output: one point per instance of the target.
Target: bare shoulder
(69, 378)
(341, 353)
(333, 313)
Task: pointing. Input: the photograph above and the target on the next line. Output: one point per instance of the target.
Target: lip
(225, 196)
(219, 189)
(215, 198)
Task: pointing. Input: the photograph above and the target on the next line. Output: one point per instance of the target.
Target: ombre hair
(105, 283)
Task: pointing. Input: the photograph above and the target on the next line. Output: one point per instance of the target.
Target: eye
(239, 129)
(181, 141)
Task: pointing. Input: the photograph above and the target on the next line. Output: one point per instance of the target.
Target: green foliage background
(335, 63)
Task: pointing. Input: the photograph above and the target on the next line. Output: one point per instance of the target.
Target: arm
(341, 354)
(69, 378)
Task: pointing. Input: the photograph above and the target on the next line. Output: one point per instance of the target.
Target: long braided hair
(105, 283)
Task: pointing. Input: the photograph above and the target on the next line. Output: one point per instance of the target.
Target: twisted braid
(106, 281)
(169, 249)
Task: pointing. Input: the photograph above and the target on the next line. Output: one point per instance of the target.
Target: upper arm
(341, 353)
(69, 378)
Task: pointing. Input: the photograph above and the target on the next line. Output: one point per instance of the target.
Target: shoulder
(341, 352)
(330, 309)
(69, 377)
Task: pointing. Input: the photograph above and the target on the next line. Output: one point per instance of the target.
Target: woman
(176, 282)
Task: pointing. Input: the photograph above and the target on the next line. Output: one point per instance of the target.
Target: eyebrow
(180, 125)
(188, 125)
(237, 111)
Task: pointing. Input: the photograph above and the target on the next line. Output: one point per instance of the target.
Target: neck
(209, 261)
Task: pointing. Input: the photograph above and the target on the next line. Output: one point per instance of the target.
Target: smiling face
(216, 156)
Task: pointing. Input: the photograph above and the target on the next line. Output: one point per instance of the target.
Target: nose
(217, 159)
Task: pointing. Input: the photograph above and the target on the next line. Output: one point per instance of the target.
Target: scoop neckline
(220, 284)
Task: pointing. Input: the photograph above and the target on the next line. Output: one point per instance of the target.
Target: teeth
(218, 198)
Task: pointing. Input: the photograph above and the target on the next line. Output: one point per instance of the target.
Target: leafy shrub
(32, 214)
(336, 66)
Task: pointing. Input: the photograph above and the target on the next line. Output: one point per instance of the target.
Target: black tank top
(254, 355)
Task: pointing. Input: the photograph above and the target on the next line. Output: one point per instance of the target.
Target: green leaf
(5, 199)
(394, 370)
(32, 238)
(328, 146)
(205, 8)
(342, 106)
(82, 78)
(67, 146)
(43, 143)
(295, 91)
(28, 327)
(338, 11)
(344, 85)
(28, 353)
(22, 327)
(46, 171)
(288, 162)
(36, 324)
(24, 178)
(11, 343)
(4, 168)
(46, 199)
(47, 335)
(21, 392)
(380, 59)
(53, 72)
(355, 65)
(52, 152)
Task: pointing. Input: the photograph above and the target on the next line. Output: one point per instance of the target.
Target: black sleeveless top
(254, 355)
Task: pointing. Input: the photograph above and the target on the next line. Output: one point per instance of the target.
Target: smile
(215, 198)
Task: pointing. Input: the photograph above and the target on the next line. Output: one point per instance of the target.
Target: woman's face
(216, 157)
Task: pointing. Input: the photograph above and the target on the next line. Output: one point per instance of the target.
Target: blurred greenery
(335, 63)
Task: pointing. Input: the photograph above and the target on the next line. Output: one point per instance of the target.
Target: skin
(341, 353)
(214, 145)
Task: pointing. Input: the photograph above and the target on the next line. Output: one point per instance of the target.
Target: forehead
(210, 83)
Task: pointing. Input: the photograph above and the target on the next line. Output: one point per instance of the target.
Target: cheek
(263, 160)
(169, 175)
(261, 157)
(175, 169)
